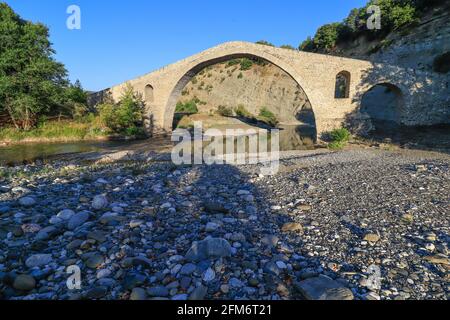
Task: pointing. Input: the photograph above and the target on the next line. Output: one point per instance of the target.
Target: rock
(97, 292)
(24, 282)
(270, 240)
(235, 283)
(209, 275)
(304, 207)
(133, 280)
(99, 202)
(78, 220)
(31, 228)
(323, 288)
(408, 218)
(180, 297)
(65, 214)
(94, 261)
(138, 294)
(438, 259)
(27, 201)
(98, 236)
(4, 189)
(292, 227)
(214, 207)
(136, 223)
(211, 227)
(38, 260)
(158, 291)
(372, 238)
(199, 293)
(209, 248)
(430, 247)
(372, 296)
(188, 269)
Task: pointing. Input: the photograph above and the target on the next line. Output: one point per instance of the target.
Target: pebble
(27, 202)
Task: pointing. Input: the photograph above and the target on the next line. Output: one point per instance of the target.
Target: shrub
(240, 75)
(265, 43)
(188, 107)
(340, 135)
(241, 111)
(268, 117)
(246, 64)
(287, 46)
(339, 138)
(126, 114)
(225, 111)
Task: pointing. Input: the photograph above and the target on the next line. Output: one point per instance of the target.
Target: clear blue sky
(120, 40)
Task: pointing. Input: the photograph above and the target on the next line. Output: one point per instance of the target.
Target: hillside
(250, 84)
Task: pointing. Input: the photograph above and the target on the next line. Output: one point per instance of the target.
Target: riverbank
(326, 219)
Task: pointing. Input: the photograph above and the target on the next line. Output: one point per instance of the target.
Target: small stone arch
(342, 86)
(384, 101)
(149, 93)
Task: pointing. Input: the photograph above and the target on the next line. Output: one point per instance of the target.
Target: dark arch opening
(300, 111)
(342, 89)
(441, 63)
(383, 103)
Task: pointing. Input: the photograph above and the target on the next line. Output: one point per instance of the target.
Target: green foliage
(307, 45)
(246, 64)
(265, 43)
(188, 107)
(340, 135)
(338, 138)
(240, 75)
(32, 83)
(327, 36)
(268, 117)
(85, 128)
(125, 115)
(287, 46)
(395, 14)
(225, 111)
(242, 112)
(336, 145)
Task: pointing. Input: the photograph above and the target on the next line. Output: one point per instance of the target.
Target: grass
(89, 128)
(268, 117)
(242, 112)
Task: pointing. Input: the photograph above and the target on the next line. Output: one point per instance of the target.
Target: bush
(339, 138)
(188, 107)
(265, 43)
(242, 112)
(340, 135)
(225, 111)
(128, 113)
(246, 64)
(268, 117)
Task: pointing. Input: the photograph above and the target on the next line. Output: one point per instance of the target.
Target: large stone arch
(195, 67)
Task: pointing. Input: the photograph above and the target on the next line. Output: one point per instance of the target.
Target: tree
(326, 36)
(31, 81)
(307, 45)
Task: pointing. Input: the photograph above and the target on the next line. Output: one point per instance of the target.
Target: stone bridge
(315, 73)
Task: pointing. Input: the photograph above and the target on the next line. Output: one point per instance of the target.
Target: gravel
(324, 227)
